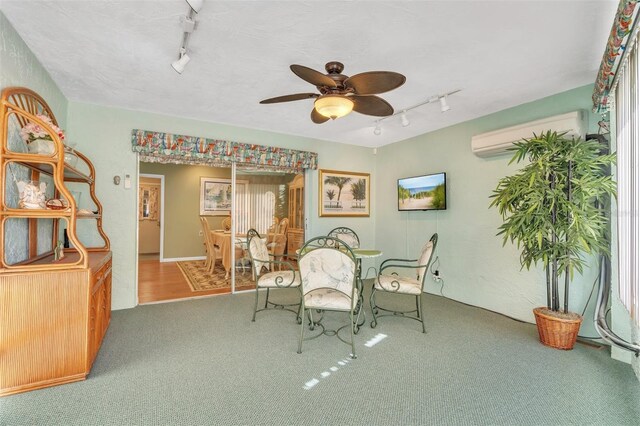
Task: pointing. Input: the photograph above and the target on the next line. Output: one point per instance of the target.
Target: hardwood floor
(163, 281)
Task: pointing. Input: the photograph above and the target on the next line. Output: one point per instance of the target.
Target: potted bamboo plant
(551, 211)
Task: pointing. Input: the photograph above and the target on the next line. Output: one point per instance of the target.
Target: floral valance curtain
(158, 147)
(621, 28)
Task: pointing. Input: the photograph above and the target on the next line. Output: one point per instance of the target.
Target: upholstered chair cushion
(398, 284)
(348, 238)
(425, 255)
(327, 298)
(259, 254)
(279, 279)
(328, 279)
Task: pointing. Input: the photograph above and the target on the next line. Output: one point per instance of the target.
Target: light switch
(127, 181)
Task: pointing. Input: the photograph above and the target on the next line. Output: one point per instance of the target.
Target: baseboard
(182, 259)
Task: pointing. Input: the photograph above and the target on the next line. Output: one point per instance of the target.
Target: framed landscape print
(344, 193)
(215, 196)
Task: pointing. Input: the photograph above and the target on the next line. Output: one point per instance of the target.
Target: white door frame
(161, 177)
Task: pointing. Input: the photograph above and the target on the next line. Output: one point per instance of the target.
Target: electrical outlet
(436, 276)
(200, 233)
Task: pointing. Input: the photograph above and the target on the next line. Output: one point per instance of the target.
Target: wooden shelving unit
(54, 312)
(295, 234)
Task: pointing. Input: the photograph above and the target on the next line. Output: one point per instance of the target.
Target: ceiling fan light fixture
(333, 106)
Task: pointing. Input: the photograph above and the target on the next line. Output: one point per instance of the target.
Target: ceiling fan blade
(374, 82)
(289, 98)
(318, 118)
(371, 105)
(312, 76)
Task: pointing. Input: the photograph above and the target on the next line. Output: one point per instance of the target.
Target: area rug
(200, 279)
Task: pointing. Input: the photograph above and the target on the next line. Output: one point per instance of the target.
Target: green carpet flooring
(203, 362)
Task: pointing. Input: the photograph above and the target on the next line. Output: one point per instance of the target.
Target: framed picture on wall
(215, 196)
(344, 194)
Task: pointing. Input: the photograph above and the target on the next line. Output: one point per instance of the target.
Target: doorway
(150, 217)
(200, 197)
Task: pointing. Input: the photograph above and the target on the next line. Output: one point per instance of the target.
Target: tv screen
(427, 192)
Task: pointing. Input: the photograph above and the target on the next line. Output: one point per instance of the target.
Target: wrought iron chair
(261, 261)
(347, 235)
(329, 282)
(393, 283)
(210, 262)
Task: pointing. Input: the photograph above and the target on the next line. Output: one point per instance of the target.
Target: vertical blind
(627, 110)
(255, 206)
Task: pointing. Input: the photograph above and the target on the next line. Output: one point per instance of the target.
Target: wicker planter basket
(557, 330)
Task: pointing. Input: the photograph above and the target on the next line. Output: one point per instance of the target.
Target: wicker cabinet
(295, 234)
(55, 310)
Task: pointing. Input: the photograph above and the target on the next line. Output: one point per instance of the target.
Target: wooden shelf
(37, 213)
(71, 174)
(71, 256)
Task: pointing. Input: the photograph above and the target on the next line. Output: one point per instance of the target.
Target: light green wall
(20, 67)
(104, 135)
(182, 206)
(476, 268)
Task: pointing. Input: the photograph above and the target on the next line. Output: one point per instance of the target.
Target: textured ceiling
(500, 53)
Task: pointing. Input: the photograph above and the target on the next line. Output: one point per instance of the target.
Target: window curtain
(158, 147)
(256, 206)
(627, 119)
(622, 27)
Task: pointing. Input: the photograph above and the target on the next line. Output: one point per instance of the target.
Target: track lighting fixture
(195, 5)
(405, 120)
(182, 62)
(444, 107)
(189, 25)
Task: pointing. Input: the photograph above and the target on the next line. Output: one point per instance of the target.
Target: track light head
(196, 5)
(378, 130)
(181, 63)
(404, 119)
(444, 106)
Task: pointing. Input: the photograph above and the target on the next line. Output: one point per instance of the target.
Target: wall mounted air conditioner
(497, 141)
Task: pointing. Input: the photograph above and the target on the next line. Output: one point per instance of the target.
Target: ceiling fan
(341, 94)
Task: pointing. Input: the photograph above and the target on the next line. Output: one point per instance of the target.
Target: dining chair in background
(329, 283)
(226, 223)
(390, 282)
(210, 262)
(265, 279)
(277, 240)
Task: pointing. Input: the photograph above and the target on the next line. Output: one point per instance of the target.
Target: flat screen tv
(427, 192)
